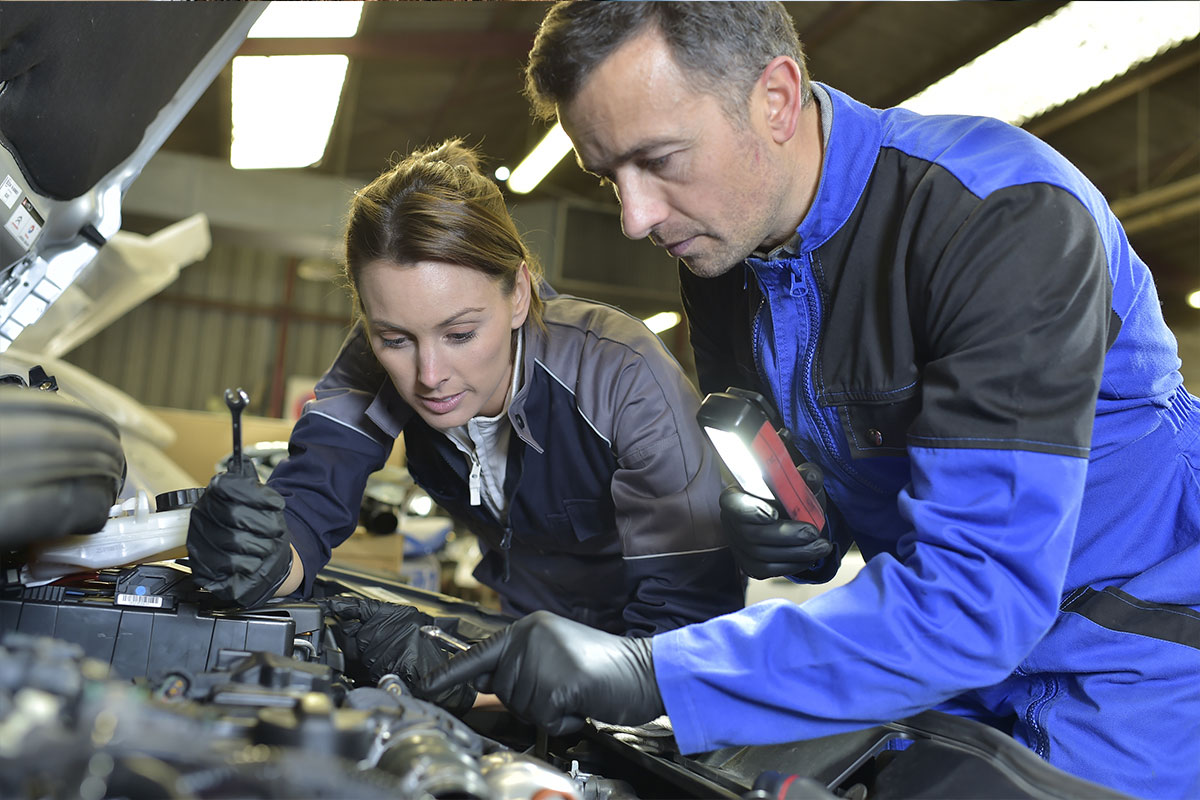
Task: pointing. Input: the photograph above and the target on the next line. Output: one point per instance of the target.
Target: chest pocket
(584, 527)
(880, 427)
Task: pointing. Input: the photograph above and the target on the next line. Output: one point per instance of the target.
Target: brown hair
(724, 47)
(436, 205)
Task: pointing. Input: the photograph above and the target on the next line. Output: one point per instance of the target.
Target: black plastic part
(148, 643)
(968, 760)
(323, 729)
(38, 379)
(61, 467)
(71, 53)
(153, 585)
(180, 498)
(378, 517)
(90, 234)
(781, 786)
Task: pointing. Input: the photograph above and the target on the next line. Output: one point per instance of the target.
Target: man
(955, 329)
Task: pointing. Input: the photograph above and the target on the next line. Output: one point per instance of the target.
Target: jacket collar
(852, 134)
(536, 345)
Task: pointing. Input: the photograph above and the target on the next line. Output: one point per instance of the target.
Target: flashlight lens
(740, 461)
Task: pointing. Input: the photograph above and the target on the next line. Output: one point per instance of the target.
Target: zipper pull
(505, 543)
(475, 481)
(797, 287)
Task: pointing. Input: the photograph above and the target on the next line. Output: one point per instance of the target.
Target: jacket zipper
(809, 386)
(824, 437)
(506, 539)
(473, 483)
(1033, 712)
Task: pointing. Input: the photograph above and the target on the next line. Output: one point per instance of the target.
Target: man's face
(699, 185)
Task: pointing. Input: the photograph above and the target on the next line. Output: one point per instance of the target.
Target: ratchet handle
(236, 400)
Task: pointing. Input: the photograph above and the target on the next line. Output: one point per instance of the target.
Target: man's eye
(656, 164)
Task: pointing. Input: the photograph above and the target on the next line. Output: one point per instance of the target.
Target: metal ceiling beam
(1181, 58)
(1158, 207)
(422, 46)
(291, 211)
(1138, 203)
(1161, 216)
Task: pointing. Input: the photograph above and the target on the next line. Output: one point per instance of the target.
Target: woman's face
(444, 335)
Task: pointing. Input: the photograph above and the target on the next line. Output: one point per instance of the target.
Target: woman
(559, 430)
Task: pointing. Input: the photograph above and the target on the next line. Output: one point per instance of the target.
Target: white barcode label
(9, 191)
(149, 600)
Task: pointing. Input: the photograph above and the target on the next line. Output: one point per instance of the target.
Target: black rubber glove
(380, 638)
(238, 543)
(765, 542)
(554, 673)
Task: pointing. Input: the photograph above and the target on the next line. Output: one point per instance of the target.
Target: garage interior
(262, 306)
(242, 289)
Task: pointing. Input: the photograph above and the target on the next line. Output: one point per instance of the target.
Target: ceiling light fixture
(1193, 299)
(308, 20)
(284, 106)
(540, 161)
(1096, 41)
(502, 173)
(283, 109)
(663, 321)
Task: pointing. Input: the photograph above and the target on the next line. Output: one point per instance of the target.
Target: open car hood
(88, 93)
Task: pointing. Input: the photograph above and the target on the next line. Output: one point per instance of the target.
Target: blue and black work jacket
(960, 335)
(612, 515)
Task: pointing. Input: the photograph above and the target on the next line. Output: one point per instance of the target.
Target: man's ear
(522, 291)
(782, 85)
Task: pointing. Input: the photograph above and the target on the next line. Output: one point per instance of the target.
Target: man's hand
(384, 638)
(555, 673)
(765, 545)
(237, 540)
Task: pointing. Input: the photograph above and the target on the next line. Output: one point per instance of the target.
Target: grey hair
(723, 46)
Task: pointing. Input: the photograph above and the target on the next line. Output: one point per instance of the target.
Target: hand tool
(236, 401)
(443, 639)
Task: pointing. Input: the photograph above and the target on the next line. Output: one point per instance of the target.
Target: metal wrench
(237, 401)
(440, 637)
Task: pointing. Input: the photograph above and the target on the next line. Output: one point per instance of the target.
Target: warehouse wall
(223, 323)
(226, 319)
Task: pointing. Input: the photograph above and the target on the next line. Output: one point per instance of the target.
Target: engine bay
(127, 683)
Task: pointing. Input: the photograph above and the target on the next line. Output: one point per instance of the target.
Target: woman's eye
(400, 342)
(460, 338)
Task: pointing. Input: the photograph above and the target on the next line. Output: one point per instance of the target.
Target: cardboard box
(383, 554)
(203, 438)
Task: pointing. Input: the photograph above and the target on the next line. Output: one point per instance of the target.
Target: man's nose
(642, 208)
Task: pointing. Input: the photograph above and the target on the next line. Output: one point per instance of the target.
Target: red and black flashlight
(750, 440)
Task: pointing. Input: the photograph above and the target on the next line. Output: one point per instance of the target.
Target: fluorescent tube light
(1079, 47)
(663, 321)
(540, 161)
(289, 20)
(283, 109)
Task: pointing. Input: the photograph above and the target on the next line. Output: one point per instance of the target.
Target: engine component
(58, 455)
(134, 532)
(151, 619)
(69, 730)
